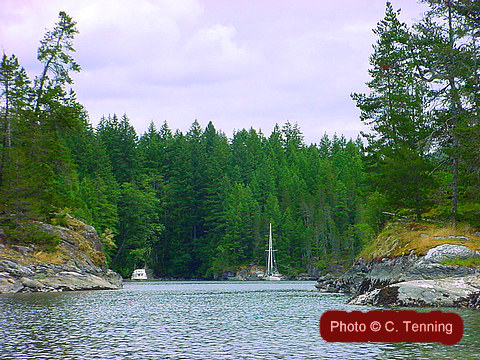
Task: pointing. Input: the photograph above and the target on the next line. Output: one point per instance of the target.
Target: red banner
(391, 326)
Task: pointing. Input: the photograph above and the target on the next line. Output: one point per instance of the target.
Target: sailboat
(272, 272)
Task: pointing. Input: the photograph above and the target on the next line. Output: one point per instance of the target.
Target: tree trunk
(455, 106)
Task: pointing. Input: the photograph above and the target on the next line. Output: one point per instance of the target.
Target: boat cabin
(139, 274)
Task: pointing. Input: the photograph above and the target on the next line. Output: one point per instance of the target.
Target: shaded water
(196, 320)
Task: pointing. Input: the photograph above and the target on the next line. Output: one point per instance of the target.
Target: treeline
(198, 203)
(191, 204)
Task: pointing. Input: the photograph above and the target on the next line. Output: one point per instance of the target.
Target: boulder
(31, 283)
(449, 252)
(6, 286)
(327, 283)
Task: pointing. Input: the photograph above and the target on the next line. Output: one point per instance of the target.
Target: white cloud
(239, 64)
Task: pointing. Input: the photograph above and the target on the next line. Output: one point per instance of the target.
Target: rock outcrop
(245, 273)
(250, 273)
(411, 280)
(450, 252)
(77, 264)
(446, 292)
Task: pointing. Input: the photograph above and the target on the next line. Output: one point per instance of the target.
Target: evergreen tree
(14, 96)
(120, 141)
(447, 59)
(39, 176)
(395, 111)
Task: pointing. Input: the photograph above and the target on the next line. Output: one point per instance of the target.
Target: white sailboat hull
(273, 278)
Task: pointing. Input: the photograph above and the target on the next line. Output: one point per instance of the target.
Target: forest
(198, 203)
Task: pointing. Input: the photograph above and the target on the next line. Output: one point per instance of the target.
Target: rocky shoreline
(253, 273)
(444, 292)
(77, 264)
(256, 273)
(411, 280)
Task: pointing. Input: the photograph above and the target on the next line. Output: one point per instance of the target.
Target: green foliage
(39, 175)
(138, 225)
(61, 218)
(399, 164)
(422, 109)
(200, 204)
(120, 141)
(183, 204)
(469, 262)
(25, 233)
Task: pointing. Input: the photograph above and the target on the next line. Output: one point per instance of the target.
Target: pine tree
(14, 95)
(447, 59)
(395, 111)
(120, 141)
(39, 176)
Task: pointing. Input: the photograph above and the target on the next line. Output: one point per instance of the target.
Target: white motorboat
(139, 274)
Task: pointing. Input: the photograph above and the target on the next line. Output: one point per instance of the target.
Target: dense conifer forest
(198, 203)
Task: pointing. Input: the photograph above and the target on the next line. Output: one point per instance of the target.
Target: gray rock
(369, 298)
(446, 292)
(114, 278)
(31, 283)
(364, 277)
(412, 280)
(5, 285)
(454, 237)
(69, 273)
(327, 283)
(14, 268)
(450, 252)
(17, 285)
(76, 281)
(89, 232)
(23, 250)
(81, 268)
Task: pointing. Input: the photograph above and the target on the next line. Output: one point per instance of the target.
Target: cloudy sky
(236, 63)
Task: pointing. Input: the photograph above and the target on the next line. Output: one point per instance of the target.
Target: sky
(237, 63)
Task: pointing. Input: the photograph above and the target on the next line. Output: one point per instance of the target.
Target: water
(196, 320)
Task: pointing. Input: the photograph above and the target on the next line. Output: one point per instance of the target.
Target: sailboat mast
(272, 272)
(270, 252)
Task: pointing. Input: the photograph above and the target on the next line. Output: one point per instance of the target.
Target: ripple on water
(188, 320)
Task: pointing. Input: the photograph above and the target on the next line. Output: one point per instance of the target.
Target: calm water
(196, 320)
